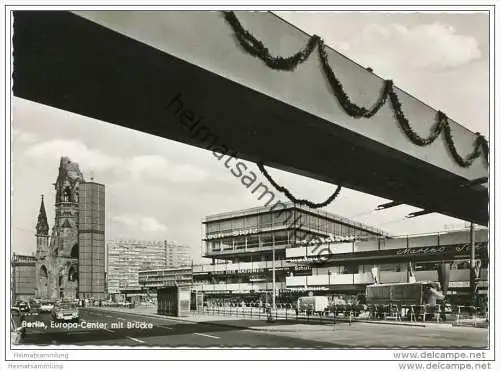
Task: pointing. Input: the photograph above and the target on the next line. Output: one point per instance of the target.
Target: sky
(158, 189)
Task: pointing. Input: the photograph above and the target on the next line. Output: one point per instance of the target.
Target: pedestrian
(431, 296)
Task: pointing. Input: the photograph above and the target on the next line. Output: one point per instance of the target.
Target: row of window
(86, 248)
(91, 216)
(248, 222)
(285, 218)
(90, 202)
(161, 277)
(270, 239)
(93, 229)
(91, 263)
(91, 220)
(92, 197)
(354, 268)
(88, 239)
(247, 280)
(327, 226)
(87, 226)
(89, 272)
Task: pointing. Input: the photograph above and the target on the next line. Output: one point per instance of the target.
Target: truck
(397, 293)
(312, 304)
(406, 300)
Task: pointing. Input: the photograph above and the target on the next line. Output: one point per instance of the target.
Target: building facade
(329, 255)
(127, 257)
(348, 267)
(242, 244)
(58, 256)
(177, 255)
(153, 279)
(91, 236)
(253, 234)
(23, 276)
(322, 254)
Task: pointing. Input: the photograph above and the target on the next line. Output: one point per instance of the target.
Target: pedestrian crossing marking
(209, 336)
(134, 339)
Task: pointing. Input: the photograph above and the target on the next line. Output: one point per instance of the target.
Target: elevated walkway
(184, 76)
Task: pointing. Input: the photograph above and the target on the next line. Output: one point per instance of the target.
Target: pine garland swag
(257, 49)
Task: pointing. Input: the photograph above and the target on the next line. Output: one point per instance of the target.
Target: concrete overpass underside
(125, 68)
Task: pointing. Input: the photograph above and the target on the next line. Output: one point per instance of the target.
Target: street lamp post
(274, 281)
(472, 264)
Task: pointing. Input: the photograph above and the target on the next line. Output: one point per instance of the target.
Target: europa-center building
(323, 253)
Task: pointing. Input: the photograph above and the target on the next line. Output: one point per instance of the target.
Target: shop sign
(236, 233)
(440, 250)
(422, 251)
(302, 268)
(324, 240)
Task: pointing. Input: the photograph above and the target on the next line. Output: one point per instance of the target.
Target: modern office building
(329, 255)
(23, 270)
(59, 255)
(91, 237)
(253, 234)
(241, 245)
(127, 257)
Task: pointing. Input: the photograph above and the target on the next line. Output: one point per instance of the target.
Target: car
(66, 311)
(46, 306)
(34, 306)
(23, 306)
(17, 330)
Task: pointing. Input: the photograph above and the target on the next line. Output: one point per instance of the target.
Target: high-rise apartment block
(126, 258)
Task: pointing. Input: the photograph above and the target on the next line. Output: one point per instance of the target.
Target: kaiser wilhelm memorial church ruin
(70, 261)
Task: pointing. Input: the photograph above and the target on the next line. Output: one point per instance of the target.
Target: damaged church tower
(59, 259)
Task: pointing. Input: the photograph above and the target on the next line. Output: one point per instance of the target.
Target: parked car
(46, 306)
(34, 306)
(312, 304)
(17, 331)
(66, 311)
(23, 306)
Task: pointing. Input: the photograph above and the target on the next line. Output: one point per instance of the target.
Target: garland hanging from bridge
(256, 48)
(291, 197)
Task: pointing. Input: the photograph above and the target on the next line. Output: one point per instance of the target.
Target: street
(164, 332)
(107, 327)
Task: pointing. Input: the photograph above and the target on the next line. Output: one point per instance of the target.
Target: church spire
(42, 227)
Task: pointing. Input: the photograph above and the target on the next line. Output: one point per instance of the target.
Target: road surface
(101, 327)
(110, 328)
